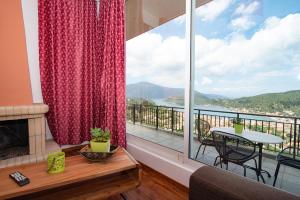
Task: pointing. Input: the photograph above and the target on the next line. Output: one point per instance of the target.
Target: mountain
(148, 90)
(215, 96)
(286, 103)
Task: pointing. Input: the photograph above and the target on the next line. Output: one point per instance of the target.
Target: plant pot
(56, 162)
(238, 128)
(100, 146)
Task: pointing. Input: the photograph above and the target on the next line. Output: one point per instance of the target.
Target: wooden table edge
(55, 185)
(138, 165)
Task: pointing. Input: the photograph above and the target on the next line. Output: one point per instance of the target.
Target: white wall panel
(30, 18)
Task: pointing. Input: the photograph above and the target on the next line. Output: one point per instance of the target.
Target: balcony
(164, 126)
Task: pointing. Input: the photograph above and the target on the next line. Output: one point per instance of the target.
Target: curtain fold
(67, 62)
(111, 51)
(82, 68)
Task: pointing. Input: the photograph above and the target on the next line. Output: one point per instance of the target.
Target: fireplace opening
(14, 138)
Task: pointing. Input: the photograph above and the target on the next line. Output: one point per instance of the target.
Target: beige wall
(14, 74)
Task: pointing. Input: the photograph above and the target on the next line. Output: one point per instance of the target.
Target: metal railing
(171, 119)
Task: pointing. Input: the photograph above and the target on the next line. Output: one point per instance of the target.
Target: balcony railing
(171, 119)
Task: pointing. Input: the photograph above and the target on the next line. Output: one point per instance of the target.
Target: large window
(247, 66)
(227, 60)
(155, 53)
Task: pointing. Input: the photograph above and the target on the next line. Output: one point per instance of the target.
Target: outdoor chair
(204, 135)
(234, 149)
(289, 157)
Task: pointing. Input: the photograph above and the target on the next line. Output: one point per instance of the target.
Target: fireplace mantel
(23, 112)
(35, 114)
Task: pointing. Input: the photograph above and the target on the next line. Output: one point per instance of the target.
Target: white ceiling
(144, 15)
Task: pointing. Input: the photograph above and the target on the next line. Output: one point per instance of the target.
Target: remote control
(19, 178)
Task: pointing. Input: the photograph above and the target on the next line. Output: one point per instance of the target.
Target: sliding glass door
(245, 65)
(155, 66)
(196, 65)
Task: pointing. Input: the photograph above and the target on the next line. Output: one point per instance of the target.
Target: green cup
(56, 162)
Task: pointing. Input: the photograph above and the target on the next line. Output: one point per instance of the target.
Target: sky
(242, 47)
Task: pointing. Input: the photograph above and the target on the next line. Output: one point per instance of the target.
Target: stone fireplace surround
(35, 114)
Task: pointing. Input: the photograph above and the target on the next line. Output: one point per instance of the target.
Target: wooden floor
(155, 186)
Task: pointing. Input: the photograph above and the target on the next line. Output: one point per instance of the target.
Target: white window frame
(189, 79)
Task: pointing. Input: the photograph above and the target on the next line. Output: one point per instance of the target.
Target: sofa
(211, 183)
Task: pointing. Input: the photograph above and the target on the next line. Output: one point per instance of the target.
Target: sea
(212, 110)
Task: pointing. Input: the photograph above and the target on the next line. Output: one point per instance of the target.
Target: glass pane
(248, 68)
(155, 59)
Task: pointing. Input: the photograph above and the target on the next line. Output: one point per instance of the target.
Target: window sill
(164, 160)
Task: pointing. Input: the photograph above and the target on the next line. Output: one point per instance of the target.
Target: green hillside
(286, 103)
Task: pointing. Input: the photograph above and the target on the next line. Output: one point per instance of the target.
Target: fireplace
(13, 138)
(22, 134)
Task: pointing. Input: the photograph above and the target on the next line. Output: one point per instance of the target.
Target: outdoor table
(257, 137)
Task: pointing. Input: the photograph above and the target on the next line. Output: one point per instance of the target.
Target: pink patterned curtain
(82, 68)
(111, 41)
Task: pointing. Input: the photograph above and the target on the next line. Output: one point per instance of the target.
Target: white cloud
(236, 88)
(212, 10)
(298, 77)
(270, 48)
(249, 9)
(272, 22)
(274, 73)
(242, 23)
(209, 11)
(206, 81)
(180, 19)
(153, 59)
(273, 51)
(245, 20)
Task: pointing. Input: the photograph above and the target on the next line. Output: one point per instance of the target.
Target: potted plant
(100, 141)
(238, 125)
